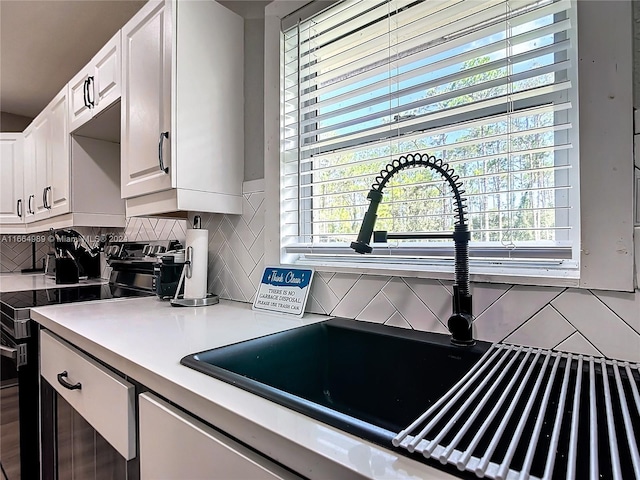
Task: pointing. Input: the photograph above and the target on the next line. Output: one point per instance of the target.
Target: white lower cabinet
(105, 400)
(174, 445)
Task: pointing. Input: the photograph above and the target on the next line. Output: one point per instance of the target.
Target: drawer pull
(65, 384)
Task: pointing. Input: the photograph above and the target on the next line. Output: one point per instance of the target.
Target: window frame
(606, 131)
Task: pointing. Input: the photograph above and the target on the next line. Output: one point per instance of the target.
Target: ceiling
(44, 43)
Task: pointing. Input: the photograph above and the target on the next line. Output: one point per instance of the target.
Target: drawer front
(104, 399)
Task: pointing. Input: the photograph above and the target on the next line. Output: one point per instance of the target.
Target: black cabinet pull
(19, 208)
(61, 380)
(163, 135)
(29, 207)
(45, 201)
(90, 101)
(85, 92)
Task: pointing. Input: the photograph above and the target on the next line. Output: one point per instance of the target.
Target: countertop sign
(283, 290)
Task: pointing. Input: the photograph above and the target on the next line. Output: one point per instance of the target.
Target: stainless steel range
(132, 276)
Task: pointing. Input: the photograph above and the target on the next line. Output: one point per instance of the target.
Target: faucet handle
(460, 323)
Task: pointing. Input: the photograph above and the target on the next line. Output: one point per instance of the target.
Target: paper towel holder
(179, 300)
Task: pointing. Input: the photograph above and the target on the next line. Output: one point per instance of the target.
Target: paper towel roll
(196, 286)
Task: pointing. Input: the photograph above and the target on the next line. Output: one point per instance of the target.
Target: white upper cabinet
(182, 138)
(47, 162)
(12, 203)
(59, 161)
(97, 86)
(146, 102)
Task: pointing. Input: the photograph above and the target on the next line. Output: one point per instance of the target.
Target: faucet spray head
(361, 245)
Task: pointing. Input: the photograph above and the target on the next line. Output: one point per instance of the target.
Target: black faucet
(461, 320)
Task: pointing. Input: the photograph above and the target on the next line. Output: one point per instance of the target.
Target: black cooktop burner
(11, 302)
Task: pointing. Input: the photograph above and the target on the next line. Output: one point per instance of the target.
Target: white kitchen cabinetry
(102, 398)
(182, 141)
(47, 157)
(97, 86)
(68, 180)
(174, 445)
(12, 203)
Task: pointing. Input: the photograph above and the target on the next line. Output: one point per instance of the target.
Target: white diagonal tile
(486, 294)
(256, 250)
(515, 307)
(231, 287)
(257, 222)
(434, 295)
(243, 232)
(241, 253)
(341, 283)
(226, 227)
(256, 199)
(237, 270)
(545, 329)
(397, 320)
(313, 306)
(256, 274)
(625, 305)
(248, 210)
(576, 343)
(411, 307)
(326, 275)
(359, 295)
(598, 324)
(325, 297)
(164, 229)
(379, 310)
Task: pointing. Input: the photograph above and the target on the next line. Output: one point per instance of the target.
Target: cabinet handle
(45, 200)
(9, 352)
(29, 207)
(19, 207)
(85, 92)
(90, 101)
(65, 384)
(163, 135)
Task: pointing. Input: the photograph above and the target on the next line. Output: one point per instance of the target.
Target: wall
(13, 123)
(583, 321)
(254, 98)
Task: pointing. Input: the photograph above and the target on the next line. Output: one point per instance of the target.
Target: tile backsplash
(16, 255)
(582, 321)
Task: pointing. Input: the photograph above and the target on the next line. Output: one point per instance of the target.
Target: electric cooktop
(18, 304)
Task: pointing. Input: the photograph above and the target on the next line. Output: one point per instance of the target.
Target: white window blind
(488, 86)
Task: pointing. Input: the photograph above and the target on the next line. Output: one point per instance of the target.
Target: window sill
(537, 276)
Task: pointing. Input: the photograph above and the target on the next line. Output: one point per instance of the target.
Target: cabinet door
(41, 146)
(29, 174)
(12, 206)
(107, 75)
(146, 101)
(59, 160)
(79, 108)
(174, 445)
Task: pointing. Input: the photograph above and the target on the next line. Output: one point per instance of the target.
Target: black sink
(367, 379)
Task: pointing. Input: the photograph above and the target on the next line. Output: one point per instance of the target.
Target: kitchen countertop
(145, 338)
(17, 282)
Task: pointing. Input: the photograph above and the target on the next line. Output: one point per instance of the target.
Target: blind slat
(487, 85)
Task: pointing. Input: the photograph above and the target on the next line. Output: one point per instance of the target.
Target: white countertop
(145, 339)
(16, 282)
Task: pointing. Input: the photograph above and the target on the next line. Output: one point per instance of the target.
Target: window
(489, 87)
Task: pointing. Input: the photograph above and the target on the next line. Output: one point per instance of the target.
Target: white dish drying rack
(529, 413)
